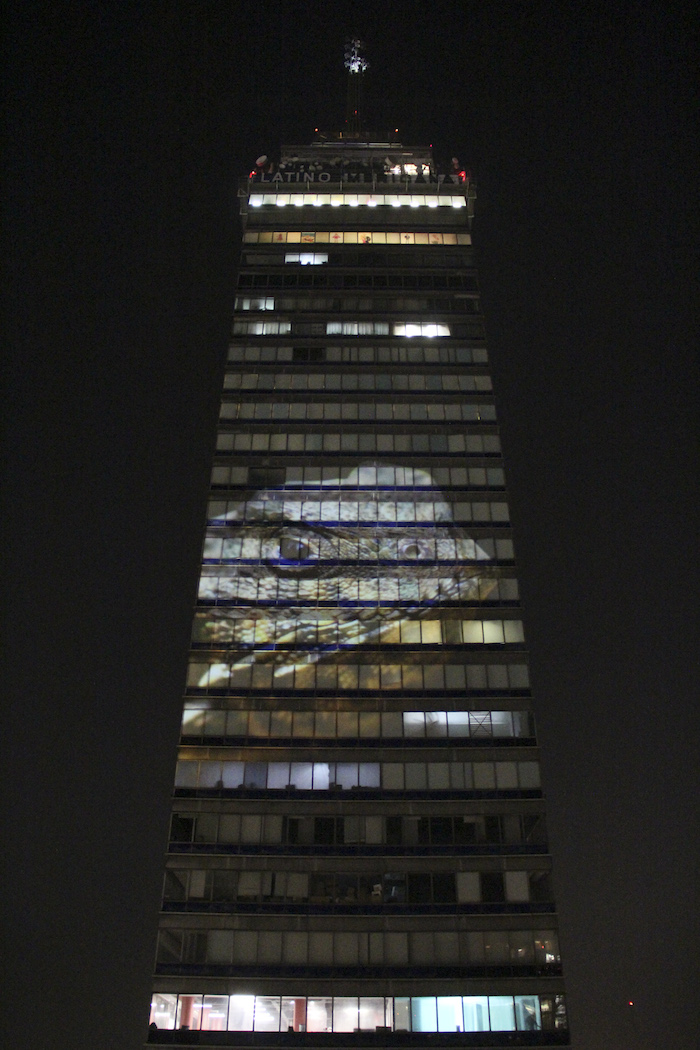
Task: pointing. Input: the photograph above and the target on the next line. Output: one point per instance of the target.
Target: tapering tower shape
(358, 850)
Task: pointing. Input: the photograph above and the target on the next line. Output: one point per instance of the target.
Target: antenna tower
(356, 64)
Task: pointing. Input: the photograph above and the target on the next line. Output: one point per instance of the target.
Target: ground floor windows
(427, 1013)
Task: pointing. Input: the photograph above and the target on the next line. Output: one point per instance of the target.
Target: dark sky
(129, 125)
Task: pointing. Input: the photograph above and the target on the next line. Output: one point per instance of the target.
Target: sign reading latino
(354, 176)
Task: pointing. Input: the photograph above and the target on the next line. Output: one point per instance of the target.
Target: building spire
(356, 64)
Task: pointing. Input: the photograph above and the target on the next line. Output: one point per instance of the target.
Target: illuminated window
(261, 327)
(425, 330)
(357, 328)
(370, 237)
(254, 304)
(354, 200)
(306, 258)
(323, 1013)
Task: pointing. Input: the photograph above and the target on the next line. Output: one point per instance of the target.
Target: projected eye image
(294, 587)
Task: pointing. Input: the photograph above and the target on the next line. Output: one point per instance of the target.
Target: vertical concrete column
(300, 1015)
(186, 1004)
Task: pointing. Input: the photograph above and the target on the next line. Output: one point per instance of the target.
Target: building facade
(358, 845)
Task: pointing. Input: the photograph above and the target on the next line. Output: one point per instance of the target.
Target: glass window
(527, 1013)
(392, 776)
(240, 1013)
(396, 949)
(219, 946)
(517, 886)
(370, 724)
(369, 773)
(468, 892)
(449, 1013)
(424, 1014)
(345, 1014)
(163, 1010)
(414, 723)
(321, 776)
(458, 723)
(522, 951)
(392, 724)
(189, 1012)
(416, 778)
(346, 774)
(301, 775)
(325, 723)
(484, 776)
(502, 1013)
(319, 1015)
(497, 947)
(267, 1013)
(546, 947)
(476, 1013)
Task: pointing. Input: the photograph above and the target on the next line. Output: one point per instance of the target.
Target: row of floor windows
(377, 258)
(415, 355)
(367, 412)
(337, 725)
(354, 200)
(403, 444)
(416, 382)
(261, 584)
(246, 670)
(253, 829)
(376, 888)
(368, 476)
(458, 303)
(425, 330)
(405, 237)
(386, 544)
(367, 530)
(458, 282)
(333, 632)
(457, 444)
(351, 948)
(473, 477)
(366, 511)
(427, 1013)
(381, 776)
(380, 552)
(362, 588)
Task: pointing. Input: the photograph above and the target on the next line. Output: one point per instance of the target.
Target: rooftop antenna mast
(356, 64)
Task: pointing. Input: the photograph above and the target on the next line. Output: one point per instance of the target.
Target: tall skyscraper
(358, 835)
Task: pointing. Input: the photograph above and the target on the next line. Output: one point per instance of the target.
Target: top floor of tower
(340, 160)
(382, 175)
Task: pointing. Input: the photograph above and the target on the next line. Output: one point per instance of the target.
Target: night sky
(129, 126)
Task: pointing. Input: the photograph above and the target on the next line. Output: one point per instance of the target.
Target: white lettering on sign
(327, 176)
